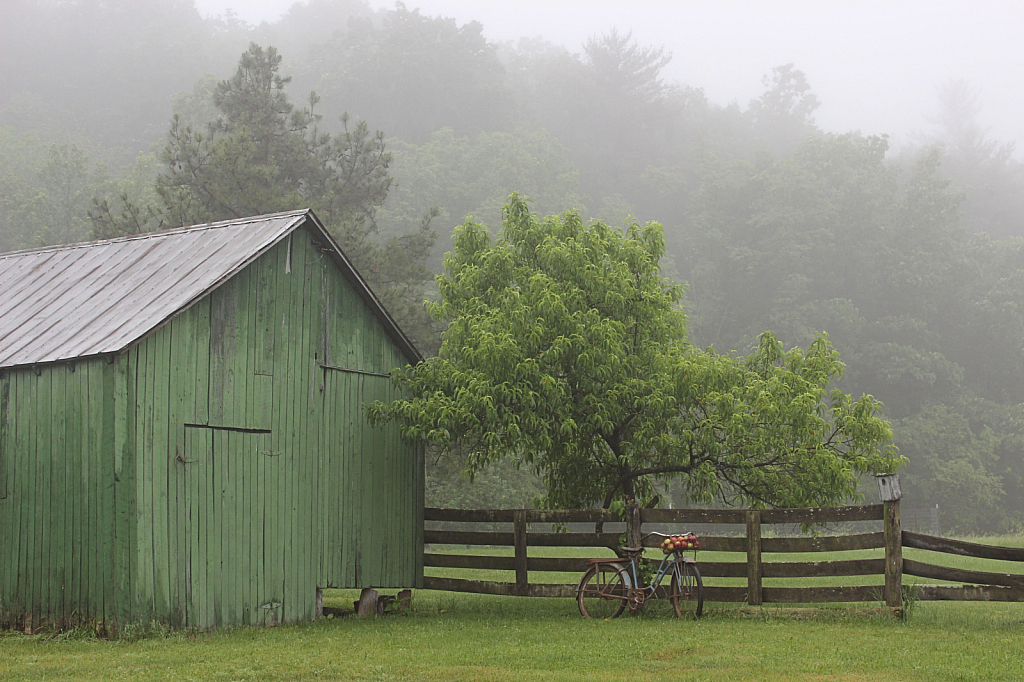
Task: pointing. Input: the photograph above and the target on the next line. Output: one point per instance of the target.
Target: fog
(874, 64)
(760, 148)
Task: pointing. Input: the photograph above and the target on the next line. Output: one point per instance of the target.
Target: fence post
(754, 557)
(893, 553)
(519, 538)
(633, 533)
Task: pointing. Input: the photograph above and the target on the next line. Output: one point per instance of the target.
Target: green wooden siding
(220, 470)
(57, 520)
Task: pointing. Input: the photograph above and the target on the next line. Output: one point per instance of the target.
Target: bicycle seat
(631, 550)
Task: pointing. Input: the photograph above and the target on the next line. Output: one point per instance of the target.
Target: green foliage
(567, 353)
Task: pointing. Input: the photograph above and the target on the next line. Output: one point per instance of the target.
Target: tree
(567, 352)
(783, 115)
(416, 74)
(982, 167)
(262, 155)
(473, 176)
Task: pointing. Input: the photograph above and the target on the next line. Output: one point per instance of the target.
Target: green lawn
(471, 637)
(477, 637)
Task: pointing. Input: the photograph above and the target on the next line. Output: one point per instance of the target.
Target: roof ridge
(170, 231)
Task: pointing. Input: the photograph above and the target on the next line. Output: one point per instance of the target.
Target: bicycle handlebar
(663, 535)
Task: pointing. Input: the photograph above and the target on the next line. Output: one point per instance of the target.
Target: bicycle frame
(638, 593)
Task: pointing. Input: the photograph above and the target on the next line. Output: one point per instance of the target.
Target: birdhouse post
(890, 493)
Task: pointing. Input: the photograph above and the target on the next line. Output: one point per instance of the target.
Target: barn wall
(370, 482)
(58, 521)
(258, 479)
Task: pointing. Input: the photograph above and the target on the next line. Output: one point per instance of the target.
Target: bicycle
(607, 588)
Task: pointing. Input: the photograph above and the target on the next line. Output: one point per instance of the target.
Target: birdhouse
(889, 487)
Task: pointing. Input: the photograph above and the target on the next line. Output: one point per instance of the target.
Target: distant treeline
(914, 264)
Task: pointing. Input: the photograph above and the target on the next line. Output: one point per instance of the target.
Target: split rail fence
(752, 545)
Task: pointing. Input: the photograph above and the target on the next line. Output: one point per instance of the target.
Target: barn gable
(217, 469)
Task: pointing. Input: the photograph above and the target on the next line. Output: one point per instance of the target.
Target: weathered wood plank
(124, 485)
(491, 587)
(289, 403)
(288, 295)
(532, 515)
(27, 440)
(505, 563)
(725, 594)
(62, 495)
(968, 593)
(683, 516)
(753, 557)
(216, 546)
(813, 595)
(142, 540)
(962, 548)
(468, 515)
(819, 515)
(247, 464)
(451, 537)
(310, 390)
(461, 537)
(893, 555)
(556, 564)
(519, 540)
(571, 516)
(808, 569)
(710, 543)
(107, 516)
(8, 510)
(162, 458)
(203, 332)
(78, 453)
(45, 565)
(573, 539)
(493, 563)
(828, 543)
(564, 591)
(963, 575)
(729, 569)
(182, 411)
(725, 569)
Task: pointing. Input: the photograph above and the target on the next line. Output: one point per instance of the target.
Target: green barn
(181, 432)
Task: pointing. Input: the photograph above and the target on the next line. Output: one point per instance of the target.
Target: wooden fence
(752, 545)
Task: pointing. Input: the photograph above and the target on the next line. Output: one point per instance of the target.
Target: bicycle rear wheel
(603, 591)
(687, 589)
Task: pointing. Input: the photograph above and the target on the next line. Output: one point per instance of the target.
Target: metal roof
(80, 300)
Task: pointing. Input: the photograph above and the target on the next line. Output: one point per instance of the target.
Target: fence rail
(989, 586)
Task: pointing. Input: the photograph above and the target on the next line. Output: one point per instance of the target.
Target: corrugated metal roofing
(66, 302)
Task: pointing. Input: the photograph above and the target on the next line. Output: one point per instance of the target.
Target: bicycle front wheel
(603, 591)
(687, 589)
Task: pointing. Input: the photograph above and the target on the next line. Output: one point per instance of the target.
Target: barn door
(234, 560)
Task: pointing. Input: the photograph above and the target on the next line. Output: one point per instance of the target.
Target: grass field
(476, 637)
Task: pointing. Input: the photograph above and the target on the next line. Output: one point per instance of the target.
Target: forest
(123, 116)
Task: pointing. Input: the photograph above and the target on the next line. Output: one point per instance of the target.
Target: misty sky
(873, 64)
